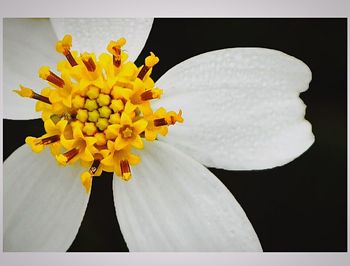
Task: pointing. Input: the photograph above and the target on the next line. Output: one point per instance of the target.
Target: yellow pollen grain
(78, 102)
(91, 105)
(103, 99)
(90, 129)
(93, 116)
(105, 111)
(82, 115)
(93, 92)
(102, 123)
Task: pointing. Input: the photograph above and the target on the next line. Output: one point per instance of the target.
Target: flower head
(96, 100)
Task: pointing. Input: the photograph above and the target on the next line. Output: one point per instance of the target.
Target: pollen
(97, 110)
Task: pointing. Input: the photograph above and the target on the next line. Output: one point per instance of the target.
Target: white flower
(242, 111)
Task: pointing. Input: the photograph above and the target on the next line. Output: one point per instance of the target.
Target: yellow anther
(103, 99)
(24, 92)
(114, 47)
(151, 94)
(173, 117)
(114, 118)
(90, 129)
(35, 144)
(93, 92)
(61, 159)
(78, 102)
(91, 105)
(105, 111)
(100, 139)
(102, 123)
(93, 116)
(44, 72)
(29, 93)
(151, 60)
(64, 45)
(82, 115)
(117, 105)
(86, 180)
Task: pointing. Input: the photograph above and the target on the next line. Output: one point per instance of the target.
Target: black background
(301, 206)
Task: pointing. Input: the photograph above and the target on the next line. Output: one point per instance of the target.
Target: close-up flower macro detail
(234, 109)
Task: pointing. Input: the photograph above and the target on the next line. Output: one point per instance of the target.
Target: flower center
(99, 109)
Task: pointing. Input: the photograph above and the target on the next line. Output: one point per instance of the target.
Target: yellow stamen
(88, 62)
(67, 156)
(46, 74)
(150, 62)
(151, 94)
(115, 49)
(29, 93)
(64, 46)
(125, 170)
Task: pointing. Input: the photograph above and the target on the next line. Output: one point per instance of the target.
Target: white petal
(173, 203)
(241, 108)
(94, 34)
(28, 45)
(44, 203)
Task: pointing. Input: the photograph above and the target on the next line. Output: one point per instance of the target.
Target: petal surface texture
(94, 34)
(44, 203)
(28, 45)
(241, 108)
(173, 203)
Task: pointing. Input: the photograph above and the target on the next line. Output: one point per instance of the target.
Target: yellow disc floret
(97, 110)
